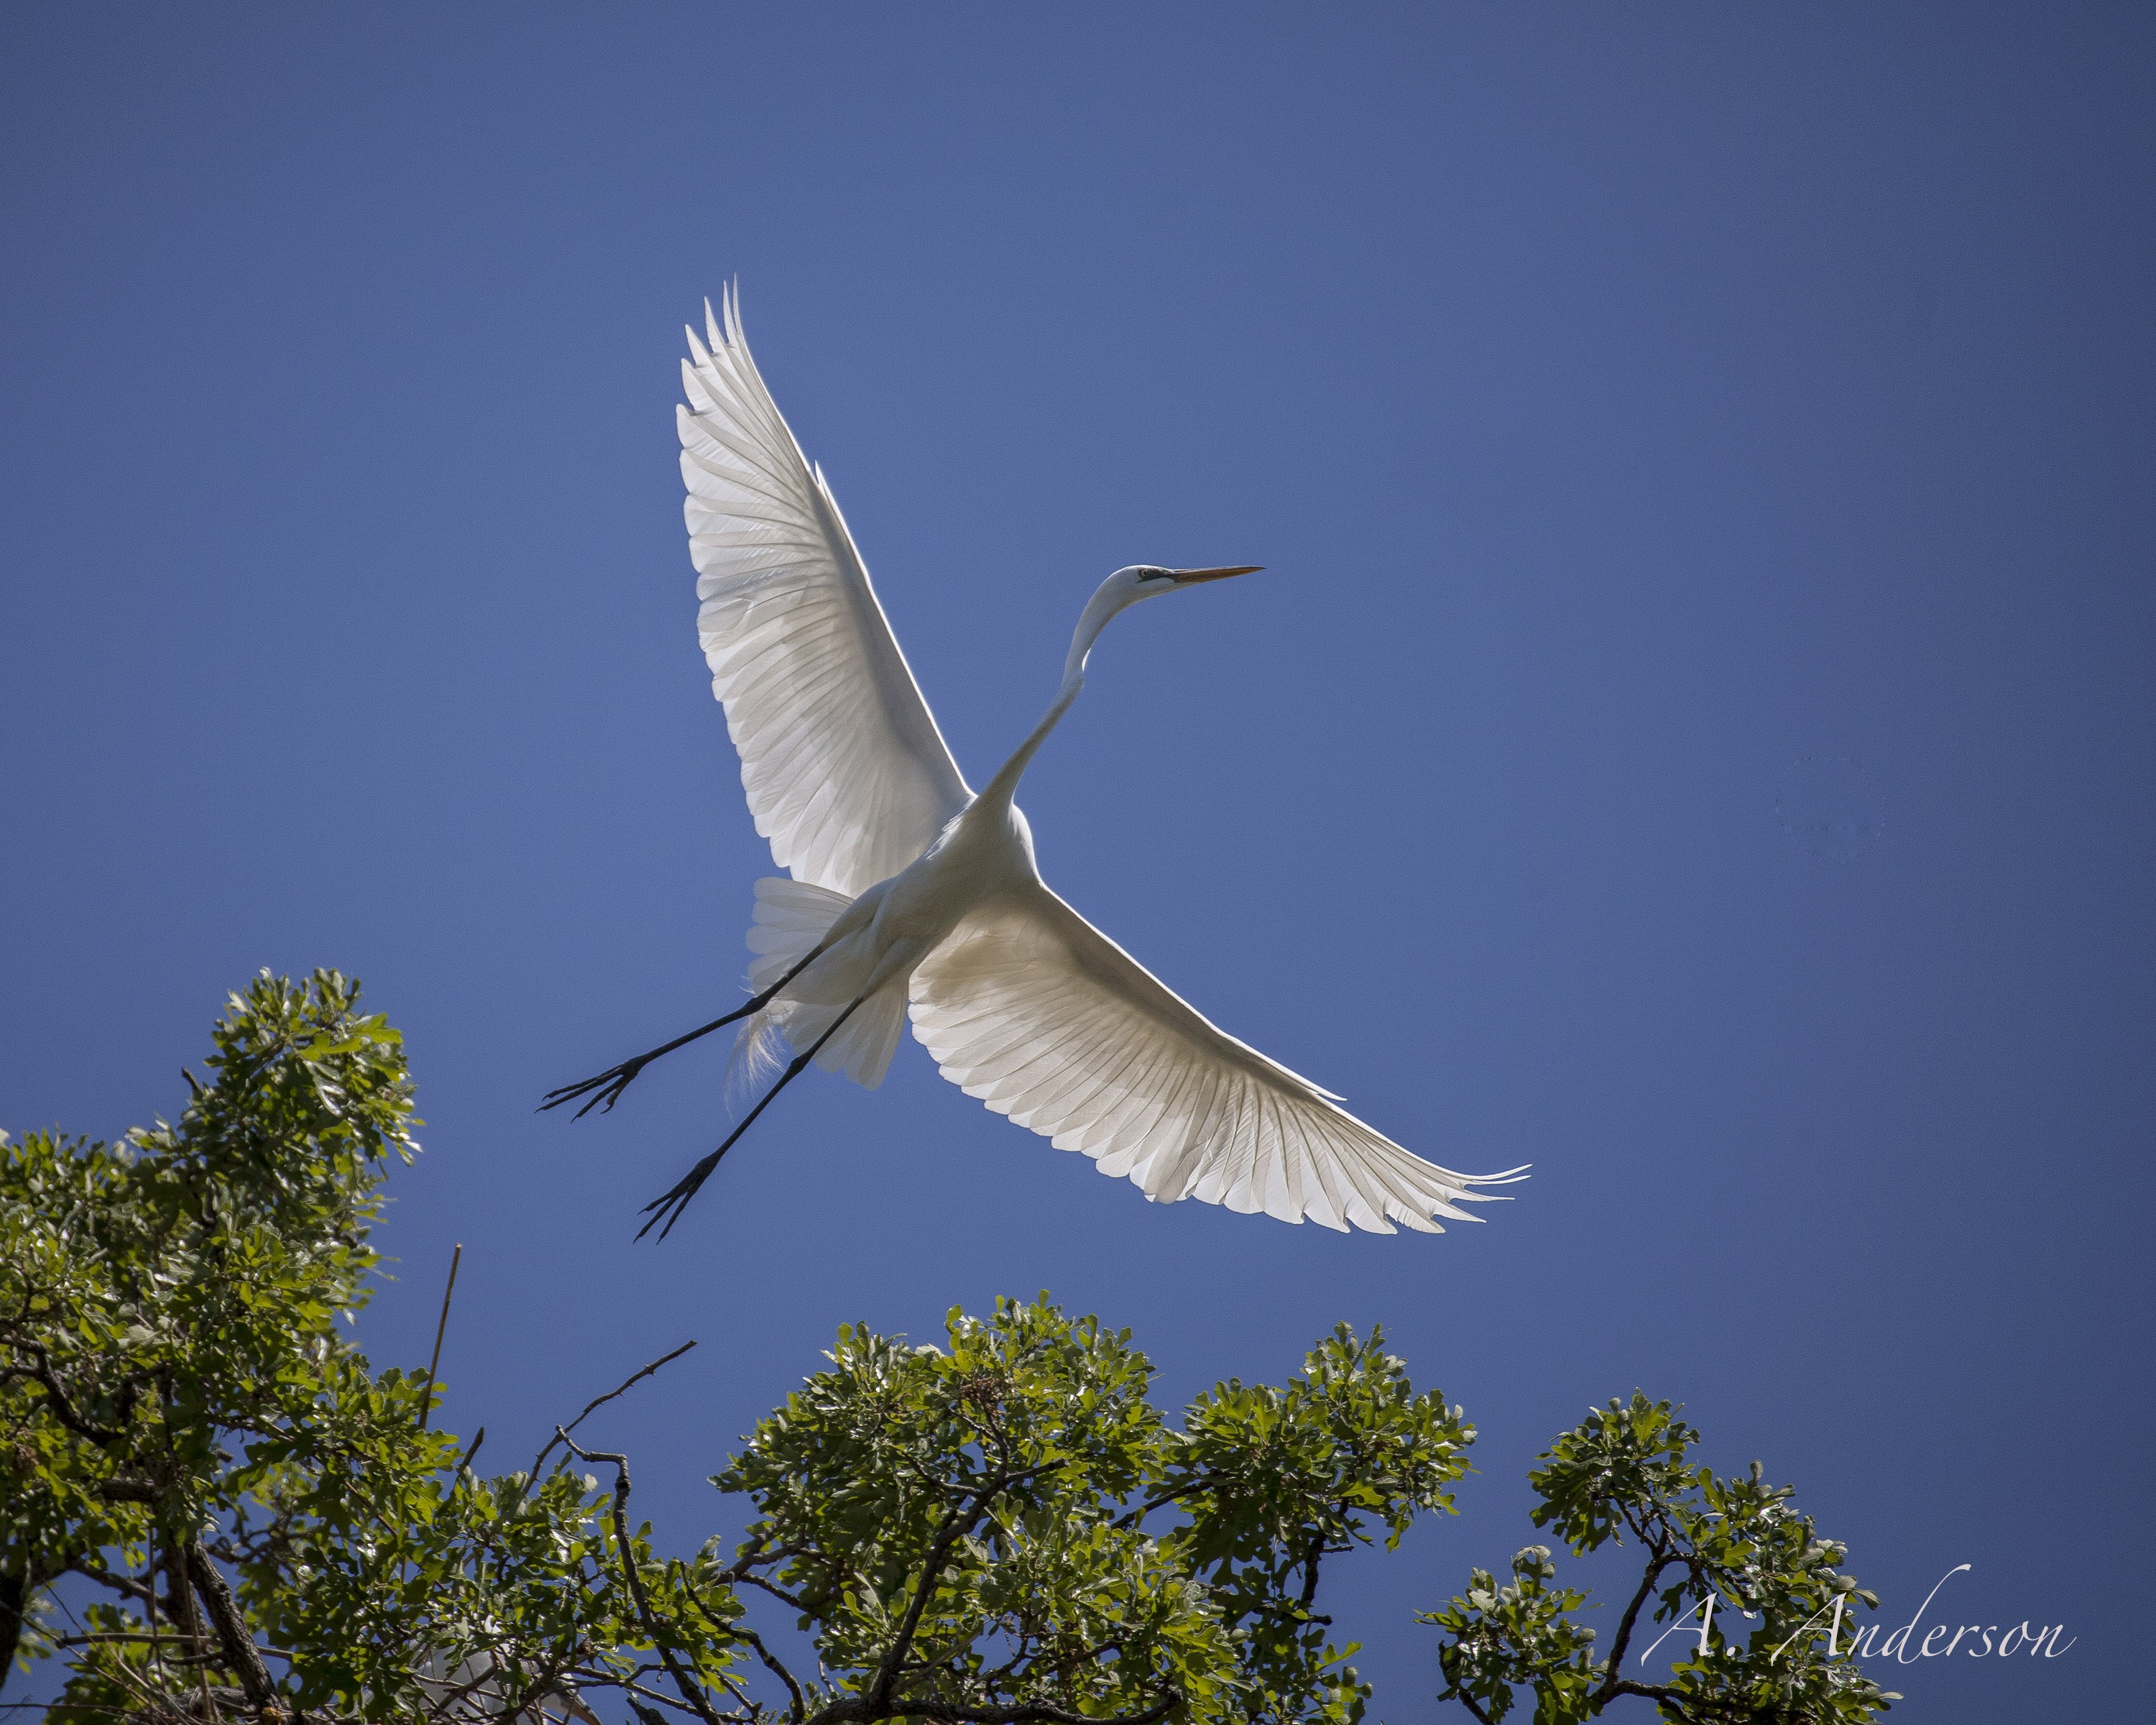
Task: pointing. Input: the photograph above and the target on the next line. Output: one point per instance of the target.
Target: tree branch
(628, 1687)
(1472, 1706)
(691, 1693)
(1134, 1517)
(545, 1682)
(441, 1329)
(1658, 1692)
(1624, 1641)
(562, 1432)
(799, 1710)
(16, 1592)
(90, 1569)
(777, 1593)
(182, 1596)
(91, 1638)
(1448, 1660)
(958, 1521)
(232, 1631)
(56, 1398)
(1309, 1568)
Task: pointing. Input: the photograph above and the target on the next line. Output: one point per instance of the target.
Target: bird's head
(1125, 589)
(1142, 581)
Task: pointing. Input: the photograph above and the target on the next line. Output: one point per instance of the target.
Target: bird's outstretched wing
(1033, 1010)
(845, 771)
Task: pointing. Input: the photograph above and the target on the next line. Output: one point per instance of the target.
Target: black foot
(667, 1210)
(609, 1085)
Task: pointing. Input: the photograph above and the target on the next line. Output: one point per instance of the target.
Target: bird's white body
(913, 896)
(876, 941)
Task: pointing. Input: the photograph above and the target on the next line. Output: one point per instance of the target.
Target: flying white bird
(912, 893)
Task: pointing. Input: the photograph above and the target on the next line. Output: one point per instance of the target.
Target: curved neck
(1104, 605)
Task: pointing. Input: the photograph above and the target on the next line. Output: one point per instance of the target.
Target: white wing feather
(846, 773)
(1032, 1009)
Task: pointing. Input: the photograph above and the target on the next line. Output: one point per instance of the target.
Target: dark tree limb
(56, 1398)
(239, 1648)
(690, 1692)
(1465, 1699)
(1310, 1560)
(798, 1711)
(92, 1638)
(1132, 1518)
(14, 1605)
(1622, 1642)
(441, 1329)
(182, 1596)
(957, 1521)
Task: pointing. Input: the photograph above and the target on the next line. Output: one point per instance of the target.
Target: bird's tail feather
(790, 916)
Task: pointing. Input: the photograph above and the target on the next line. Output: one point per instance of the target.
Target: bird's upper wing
(845, 771)
(1033, 1010)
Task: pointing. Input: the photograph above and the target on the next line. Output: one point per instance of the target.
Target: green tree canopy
(1728, 1563)
(1000, 1529)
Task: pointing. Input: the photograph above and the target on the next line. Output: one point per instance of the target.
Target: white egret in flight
(913, 894)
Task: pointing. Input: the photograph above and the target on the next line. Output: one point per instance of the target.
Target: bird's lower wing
(1033, 1010)
(845, 771)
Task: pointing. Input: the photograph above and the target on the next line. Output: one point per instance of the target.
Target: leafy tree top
(1717, 1554)
(1001, 1529)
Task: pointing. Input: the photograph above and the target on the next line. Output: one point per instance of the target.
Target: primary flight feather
(912, 894)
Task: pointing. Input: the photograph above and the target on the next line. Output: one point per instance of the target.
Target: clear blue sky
(1694, 734)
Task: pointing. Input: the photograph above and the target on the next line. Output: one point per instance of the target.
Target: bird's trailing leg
(610, 1084)
(668, 1209)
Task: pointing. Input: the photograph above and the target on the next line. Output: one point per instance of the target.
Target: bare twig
(92, 1570)
(441, 1329)
(562, 1432)
(183, 1595)
(90, 1638)
(777, 1593)
(665, 1701)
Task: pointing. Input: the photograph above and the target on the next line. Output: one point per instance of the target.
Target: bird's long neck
(1004, 787)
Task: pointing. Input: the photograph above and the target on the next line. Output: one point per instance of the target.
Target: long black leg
(677, 1200)
(611, 1083)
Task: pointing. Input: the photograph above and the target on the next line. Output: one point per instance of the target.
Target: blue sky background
(1694, 734)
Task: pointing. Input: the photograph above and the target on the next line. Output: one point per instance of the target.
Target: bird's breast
(982, 853)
